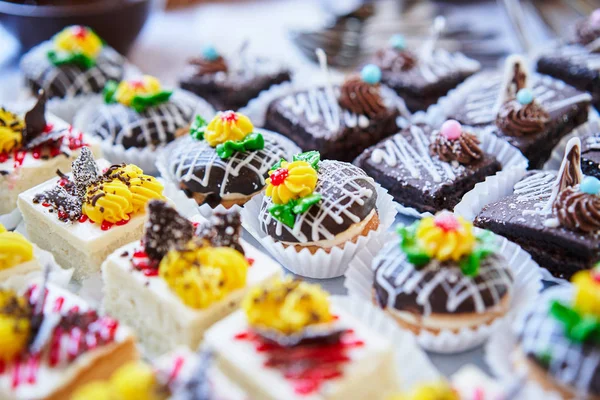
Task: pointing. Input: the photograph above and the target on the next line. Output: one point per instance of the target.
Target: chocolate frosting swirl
(578, 211)
(516, 119)
(395, 60)
(465, 149)
(362, 98)
(205, 67)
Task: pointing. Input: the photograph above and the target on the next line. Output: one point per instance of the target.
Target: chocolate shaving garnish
(205, 66)
(223, 230)
(35, 119)
(164, 230)
(465, 149)
(315, 335)
(362, 98)
(68, 206)
(578, 211)
(85, 171)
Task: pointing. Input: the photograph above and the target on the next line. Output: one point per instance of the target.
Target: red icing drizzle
(177, 366)
(143, 263)
(306, 366)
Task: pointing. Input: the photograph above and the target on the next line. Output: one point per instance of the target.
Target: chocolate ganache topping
(464, 148)
(516, 119)
(577, 210)
(362, 98)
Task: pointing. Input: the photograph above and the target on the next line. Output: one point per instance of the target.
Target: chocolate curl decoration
(35, 119)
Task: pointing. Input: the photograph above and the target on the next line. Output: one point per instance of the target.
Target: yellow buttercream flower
(287, 306)
(15, 315)
(227, 125)
(78, 40)
(446, 236)
(587, 294)
(127, 90)
(202, 275)
(110, 201)
(143, 187)
(14, 249)
(291, 181)
(11, 131)
(431, 391)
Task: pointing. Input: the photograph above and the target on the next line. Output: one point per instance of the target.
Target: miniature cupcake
(73, 65)
(231, 84)
(559, 338)
(138, 117)
(82, 218)
(223, 163)
(32, 148)
(443, 275)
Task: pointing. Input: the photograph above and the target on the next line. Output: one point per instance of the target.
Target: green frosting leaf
(141, 102)
(63, 58)
(286, 213)
(277, 165)
(579, 328)
(415, 253)
(305, 203)
(312, 157)
(252, 142)
(109, 91)
(198, 127)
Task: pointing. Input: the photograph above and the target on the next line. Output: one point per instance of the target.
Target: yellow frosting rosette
(15, 315)
(287, 306)
(14, 249)
(143, 187)
(291, 181)
(78, 40)
(11, 131)
(128, 89)
(109, 201)
(227, 125)
(587, 292)
(202, 275)
(431, 391)
(446, 236)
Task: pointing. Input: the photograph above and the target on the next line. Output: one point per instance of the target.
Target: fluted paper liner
(321, 265)
(527, 284)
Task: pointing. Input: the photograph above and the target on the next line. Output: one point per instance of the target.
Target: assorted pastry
(290, 342)
(339, 122)
(229, 84)
(76, 61)
(316, 204)
(84, 216)
(429, 169)
(531, 112)
(32, 148)
(421, 78)
(224, 162)
(186, 275)
(553, 215)
(442, 274)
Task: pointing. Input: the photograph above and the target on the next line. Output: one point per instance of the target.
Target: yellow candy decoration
(587, 296)
(14, 249)
(446, 236)
(78, 40)
(202, 275)
(291, 181)
(14, 326)
(143, 187)
(227, 125)
(11, 131)
(127, 90)
(287, 306)
(110, 201)
(431, 391)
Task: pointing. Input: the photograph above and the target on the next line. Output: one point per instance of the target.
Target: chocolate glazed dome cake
(323, 208)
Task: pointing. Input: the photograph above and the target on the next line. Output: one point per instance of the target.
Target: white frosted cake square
(197, 277)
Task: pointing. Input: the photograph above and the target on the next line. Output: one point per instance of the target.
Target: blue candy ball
(590, 185)
(398, 42)
(210, 53)
(371, 74)
(525, 96)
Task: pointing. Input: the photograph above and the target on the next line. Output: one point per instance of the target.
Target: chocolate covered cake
(422, 78)
(530, 112)
(339, 122)
(231, 84)
(553, 216)
(426, 169)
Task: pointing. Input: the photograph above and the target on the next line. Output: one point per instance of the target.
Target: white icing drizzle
(71, 79)
(413, 155)
(330, 110)
(397, 276)
(439, 24)
(343, 190)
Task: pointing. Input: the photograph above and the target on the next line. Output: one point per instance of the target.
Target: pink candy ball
(451, 129)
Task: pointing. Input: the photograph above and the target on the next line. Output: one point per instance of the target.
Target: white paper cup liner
(412, 364)
(11, 220)
(321, 265)
(144, 157)
(527, 284)
(256, 109)
(589, 128)
(410, 212)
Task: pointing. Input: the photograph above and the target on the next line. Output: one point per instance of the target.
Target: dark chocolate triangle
(85, 171)
(35, 119)
(223, 230)
(165, 229)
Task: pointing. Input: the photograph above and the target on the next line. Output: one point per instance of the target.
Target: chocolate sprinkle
(223, 230)
(164, 230)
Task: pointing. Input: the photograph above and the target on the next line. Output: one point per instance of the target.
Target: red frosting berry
(279, 176)
(447, 222)
(229, 116)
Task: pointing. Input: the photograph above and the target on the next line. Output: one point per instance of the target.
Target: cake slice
(52, 343)
(181, 278)
(82, 218)
(289, 343)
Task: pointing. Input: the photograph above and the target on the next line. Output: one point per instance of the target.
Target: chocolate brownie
(423, 170)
